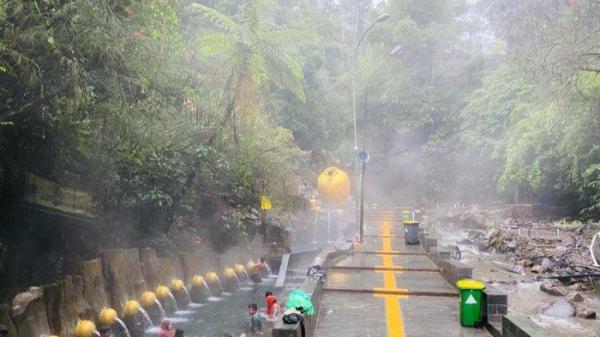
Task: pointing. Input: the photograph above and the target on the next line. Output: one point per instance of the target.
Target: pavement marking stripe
(386, 267)
(393, 312)
(397, 253)
(398, 292)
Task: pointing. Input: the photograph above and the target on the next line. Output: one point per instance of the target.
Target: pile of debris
(564, 255)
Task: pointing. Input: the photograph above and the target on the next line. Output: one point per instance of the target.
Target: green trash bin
(470, 298)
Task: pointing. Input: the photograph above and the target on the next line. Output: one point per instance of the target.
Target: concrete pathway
(389, 289)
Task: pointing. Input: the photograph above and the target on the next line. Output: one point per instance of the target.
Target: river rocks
(577, 286)
(586, 313)
(123, 275)
(61, 307)
(559, 309)
(29, 313)
(575, 297)
(537, 269)
(552, 289)
(6, 321)
(547, 264)
(93, 287)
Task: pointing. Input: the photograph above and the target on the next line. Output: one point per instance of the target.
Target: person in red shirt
(166, 329)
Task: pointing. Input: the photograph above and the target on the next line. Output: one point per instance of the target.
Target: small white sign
(471, 300)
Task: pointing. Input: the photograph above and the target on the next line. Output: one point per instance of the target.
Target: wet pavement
(383, 292)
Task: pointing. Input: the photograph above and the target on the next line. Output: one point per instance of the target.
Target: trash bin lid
(410, 222)
(470, 284)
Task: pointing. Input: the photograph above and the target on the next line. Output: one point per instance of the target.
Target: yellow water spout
(211, 276)
(107, 317)
(85, 329)
(239, 269)
(162, 292)
(148, 299)
(131, 308)
(229, 272)
(198, 281)
(176, 285)
(333, 185)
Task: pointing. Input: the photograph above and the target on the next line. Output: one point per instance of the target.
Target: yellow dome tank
(334, 185)
(176, 285)
(211, 276)
(229, 272)
(239, 269)
(197, 281)
(131, 308)
(250, 265)
(148, 299)
(162, 292)
(85, 329)
(107, 317)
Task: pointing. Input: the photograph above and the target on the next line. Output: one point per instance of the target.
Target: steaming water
(173, 302)
(146, 318)
(123, 327)
(214, 299)
(187, 299)
(207, 288)
(227, 315)
(163, 314)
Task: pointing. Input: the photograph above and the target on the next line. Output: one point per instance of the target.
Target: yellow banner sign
(50, 195)
(265, 202)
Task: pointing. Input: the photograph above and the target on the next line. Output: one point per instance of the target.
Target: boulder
(83, 307)
(577, 286)
(151, 267)
(6, 321)
(61, 307)
(93, 288)
(575, 297)
(547, 264)
(123, 274)
(190, 263)
(586, 313)
(537, 269)
(560, 309)
(28, 313)
(552, 289)
(170, 268)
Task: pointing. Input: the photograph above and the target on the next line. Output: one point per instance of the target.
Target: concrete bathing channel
(133, 290)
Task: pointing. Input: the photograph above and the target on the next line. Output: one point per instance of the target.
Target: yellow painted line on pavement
(395, 322)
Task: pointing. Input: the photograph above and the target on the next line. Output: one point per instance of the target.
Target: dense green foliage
(169, 108)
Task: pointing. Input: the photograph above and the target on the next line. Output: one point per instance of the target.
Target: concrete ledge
(314, 288)
(521, 326)
(453, 271)
(495, 305)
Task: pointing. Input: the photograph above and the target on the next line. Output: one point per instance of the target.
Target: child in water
(273, 309)
(255, 319)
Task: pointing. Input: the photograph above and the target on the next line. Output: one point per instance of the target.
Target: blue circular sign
(362, 156)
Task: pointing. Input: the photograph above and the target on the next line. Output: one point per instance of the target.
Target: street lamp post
(365, 157)
(381, 18)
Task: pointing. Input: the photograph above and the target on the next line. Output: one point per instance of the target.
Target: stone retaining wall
(108, 281)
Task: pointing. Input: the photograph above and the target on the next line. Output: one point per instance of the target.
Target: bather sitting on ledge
(258, 270)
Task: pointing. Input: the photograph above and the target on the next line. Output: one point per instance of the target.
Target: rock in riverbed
(552, 289)
(559, 309)
(586, 313)
(575, 297)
